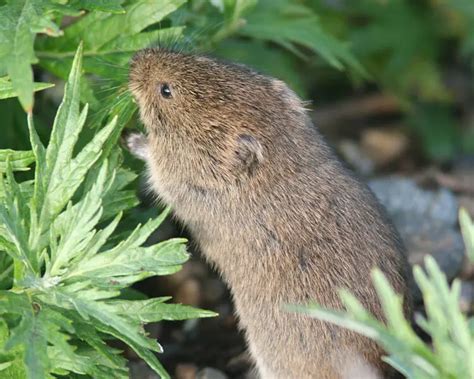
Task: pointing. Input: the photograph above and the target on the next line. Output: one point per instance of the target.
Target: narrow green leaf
(63, 187)
(298, 25)
(467, 229)
(19, 160)
(7, 91)
(30, 333)
(160, 259)
(112, 6)
(154, 310)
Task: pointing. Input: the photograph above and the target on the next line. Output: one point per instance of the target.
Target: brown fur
(236, 156)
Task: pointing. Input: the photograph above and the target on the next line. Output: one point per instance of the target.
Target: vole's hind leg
(136, 143)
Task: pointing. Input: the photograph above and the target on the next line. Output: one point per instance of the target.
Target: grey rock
(466, 299)
(140, 370)
(426, 221)
(210, 373)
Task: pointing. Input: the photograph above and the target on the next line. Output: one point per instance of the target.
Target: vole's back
(310, 231)
(270, 206)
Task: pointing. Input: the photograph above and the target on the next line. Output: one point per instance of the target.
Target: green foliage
(296, 27)
(397, 44)
(61, 275)
(7, 91)
(467, 229)
(452, 348)
(112, 31)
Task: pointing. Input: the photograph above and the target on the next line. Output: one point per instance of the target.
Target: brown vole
(235, 154)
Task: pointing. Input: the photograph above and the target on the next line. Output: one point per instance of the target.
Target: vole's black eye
(165, 91)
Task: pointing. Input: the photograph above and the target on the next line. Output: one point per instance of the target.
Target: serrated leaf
(19, 160)
(7, 91)
(154, 310)
(62, 307)
(20, 20)
(31, 334)
(12, 366)
(452, 342)
(103, 313)
(161, 259)
(467, 229)
(74, 229)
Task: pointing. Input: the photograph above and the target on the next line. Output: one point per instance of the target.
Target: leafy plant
(61, 276)
(467, 229)
(451, 352)
(113, 30)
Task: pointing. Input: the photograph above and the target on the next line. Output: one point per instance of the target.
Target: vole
(236, 155)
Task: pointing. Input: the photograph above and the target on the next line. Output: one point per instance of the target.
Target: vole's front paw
(136, 143)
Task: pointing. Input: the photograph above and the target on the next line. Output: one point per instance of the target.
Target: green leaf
(19, 160)
(63, 259)
(467, 229)
(62, 175)
(436, 126)
(31, 334)
(20, 20)
(292, 25)
(12, 365)
(112, 6)
(161, 259)
(154, 310)
(74, 228)
(399, 43)
(452, 338)
(13, 215)
(97, 29)
(7, 91)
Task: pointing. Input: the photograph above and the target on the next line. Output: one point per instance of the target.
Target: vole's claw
(136, 143)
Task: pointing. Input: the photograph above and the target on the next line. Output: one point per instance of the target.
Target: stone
(186, 371)
(466, 300)
(140, 370)
(426, 221)
(210, 373)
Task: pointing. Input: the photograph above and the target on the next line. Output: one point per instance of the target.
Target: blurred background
(389, 82)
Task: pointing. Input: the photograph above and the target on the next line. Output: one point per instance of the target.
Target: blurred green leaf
(112, 6)
(398, 41)
(294, 27)
(467, 229)
(19, 160)
(452, 338)
(438, 130)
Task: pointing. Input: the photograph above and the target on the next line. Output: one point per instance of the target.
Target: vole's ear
(249, 152)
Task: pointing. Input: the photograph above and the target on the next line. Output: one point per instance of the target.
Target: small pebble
(140, 370)
(189, 292)
(384, 145)
(186, 371)
(426, 220)
(210, 373)
(213, 291)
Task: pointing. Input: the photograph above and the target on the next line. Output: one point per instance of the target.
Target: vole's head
(227, 111)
